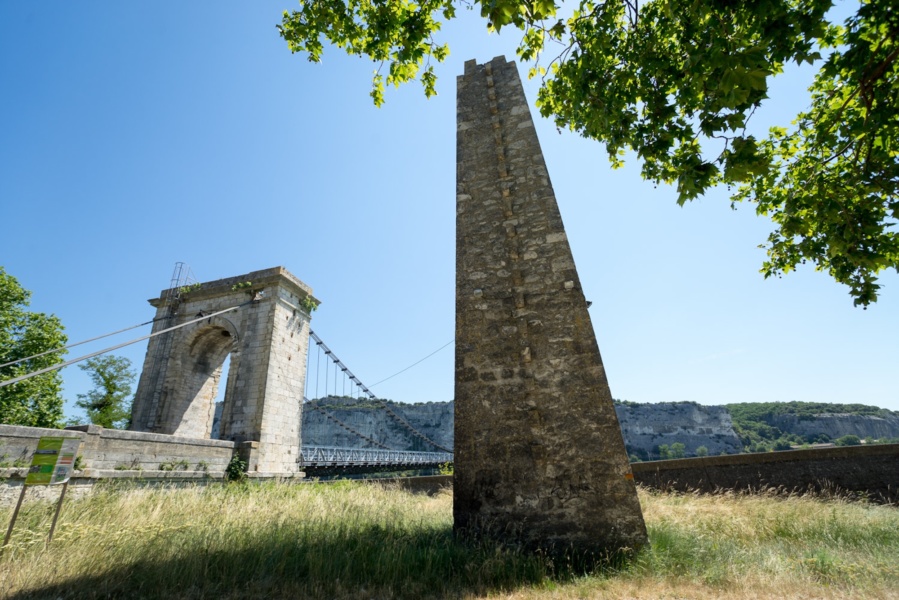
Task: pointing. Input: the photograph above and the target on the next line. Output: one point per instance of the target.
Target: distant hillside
(650, 431)
(778, 425)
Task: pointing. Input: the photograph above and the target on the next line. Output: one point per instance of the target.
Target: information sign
(52, 461)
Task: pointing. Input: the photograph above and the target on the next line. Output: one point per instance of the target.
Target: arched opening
(202, 366)
(219, 406)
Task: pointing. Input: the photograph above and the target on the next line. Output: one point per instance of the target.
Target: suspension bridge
(328, 377)
(375, 455)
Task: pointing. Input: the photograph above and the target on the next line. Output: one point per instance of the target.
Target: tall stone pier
(539, 458)
(261, 320)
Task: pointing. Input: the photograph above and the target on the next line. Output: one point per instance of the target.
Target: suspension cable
(318, 364)
(328, 352)
(371, 395)
(110, 349)
(94, 339)
(416, 362)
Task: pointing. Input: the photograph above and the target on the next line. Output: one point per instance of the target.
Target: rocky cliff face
(645, 427)
(838, 425)
(328, 421)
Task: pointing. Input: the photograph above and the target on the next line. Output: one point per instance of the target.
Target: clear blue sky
(134, 135)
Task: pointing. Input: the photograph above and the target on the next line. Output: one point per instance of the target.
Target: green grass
(349, 540)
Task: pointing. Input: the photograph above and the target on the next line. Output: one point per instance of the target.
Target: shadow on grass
(375, 561)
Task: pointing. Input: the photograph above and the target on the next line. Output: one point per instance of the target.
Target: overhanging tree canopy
(677, 81)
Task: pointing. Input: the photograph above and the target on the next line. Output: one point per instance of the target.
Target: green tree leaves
(676, 82)
(35, 402)
(848, 440)
(106, 404)
(396, 33)
(832, 184)
(676, 450)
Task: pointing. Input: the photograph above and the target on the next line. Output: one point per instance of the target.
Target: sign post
(51, 464)
(15, 515)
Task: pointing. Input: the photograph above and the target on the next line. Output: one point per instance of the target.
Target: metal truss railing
(317, 456)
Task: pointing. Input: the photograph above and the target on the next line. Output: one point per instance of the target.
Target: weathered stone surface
(267, 340)
(539, 458)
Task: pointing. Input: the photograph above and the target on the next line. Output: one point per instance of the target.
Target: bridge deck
(318, 456)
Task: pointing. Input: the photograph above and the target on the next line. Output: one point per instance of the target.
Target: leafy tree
(678, 450)
(664, 452)
(848, 440)
(702, 451)
(782, 444)
(106, 403)
(35, 402)
(676, 82)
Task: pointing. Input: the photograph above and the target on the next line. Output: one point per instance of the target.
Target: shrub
(848, 440)
(236, 469)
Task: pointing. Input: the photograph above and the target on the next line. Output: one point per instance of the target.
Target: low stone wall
(17, 444)
(114, 449)
(111, 454)
(131, 458)
(866, 471)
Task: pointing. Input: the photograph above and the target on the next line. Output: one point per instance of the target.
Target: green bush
(848, 440)
(236, 470)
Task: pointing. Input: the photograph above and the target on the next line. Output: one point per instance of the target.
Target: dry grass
(351, 540)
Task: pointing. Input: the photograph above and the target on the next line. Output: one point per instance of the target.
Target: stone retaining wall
(866, 471)
(112, 449)
(17, 444)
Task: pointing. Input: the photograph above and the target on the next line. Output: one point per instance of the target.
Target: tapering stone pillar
(539, 457)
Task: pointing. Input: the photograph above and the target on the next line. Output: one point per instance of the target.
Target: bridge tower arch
(267, 337)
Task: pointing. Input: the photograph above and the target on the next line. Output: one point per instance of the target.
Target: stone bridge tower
(267, 339)
(539, 458)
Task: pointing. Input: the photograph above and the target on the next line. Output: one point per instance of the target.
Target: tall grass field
(356, 540)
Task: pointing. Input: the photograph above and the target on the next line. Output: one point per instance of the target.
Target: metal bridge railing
(317, 456)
